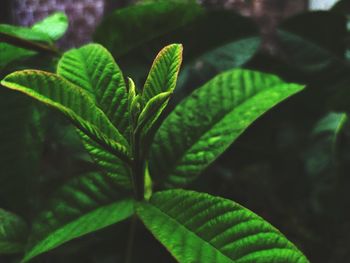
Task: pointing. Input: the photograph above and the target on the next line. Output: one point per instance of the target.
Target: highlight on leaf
(164, 71)
(207, 229)
(208, 121)
(73, 102)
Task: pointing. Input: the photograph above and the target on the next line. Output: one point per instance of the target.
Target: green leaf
(207, 229)
(164, 71)
(132, 93)
(9, 53)
(73, 102)
(218, 59)
(84, 205)
(137, 40)
(109, 163)
(135, 109)
(130, 27)
(93, 68)
(324, 141)
(321, 158)
(54, 25)
(25, 33)
(13, 233)
(206, 123)
(149, 116)
(314, 43)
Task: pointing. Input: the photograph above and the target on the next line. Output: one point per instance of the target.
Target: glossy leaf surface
(206, 229)
(164, 71)
(204, 124)
(93, 69)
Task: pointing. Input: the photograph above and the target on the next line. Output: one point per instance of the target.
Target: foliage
(102, 189)
(87, 86)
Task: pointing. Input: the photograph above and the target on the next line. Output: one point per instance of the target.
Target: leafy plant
(136, 155)
(135, 34)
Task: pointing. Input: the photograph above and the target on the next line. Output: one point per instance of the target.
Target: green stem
(131, 238)
(138, 170)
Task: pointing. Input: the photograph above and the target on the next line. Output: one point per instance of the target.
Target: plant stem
(131, 238)
(138, 169)
(31, 45)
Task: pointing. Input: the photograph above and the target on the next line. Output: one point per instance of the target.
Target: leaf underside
(206, 123)
(83, 205)
(197, 227)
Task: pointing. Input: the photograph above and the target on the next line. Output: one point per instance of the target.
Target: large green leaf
(72, 101)
(54, 25)
(13, 233)
(164, 71)
(198, 227)
(204, 124)
(84, 205)
(93, 68)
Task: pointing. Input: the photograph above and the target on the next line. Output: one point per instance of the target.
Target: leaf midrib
(215, 123)
(190, 231)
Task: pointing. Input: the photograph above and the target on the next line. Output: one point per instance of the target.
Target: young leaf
(132, 92)
(84, 205)
(73, 102)
(150, 114)
(135, 109)
(204, 124)
(164, 71)
(54, 25)
(93, 68)
(13, 233)
(207, 229)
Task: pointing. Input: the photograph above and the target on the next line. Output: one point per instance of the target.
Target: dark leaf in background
(216, 40)
(13, 233)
